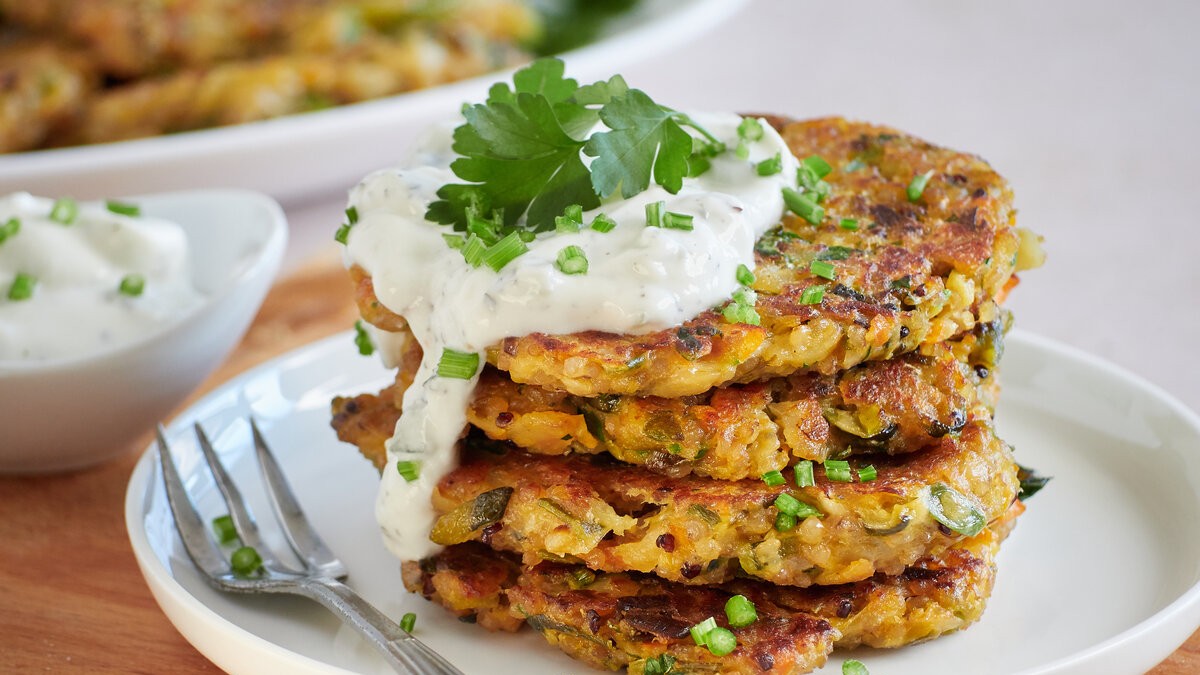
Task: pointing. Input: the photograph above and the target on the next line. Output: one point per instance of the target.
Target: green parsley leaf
(522, 162)
(644, 137)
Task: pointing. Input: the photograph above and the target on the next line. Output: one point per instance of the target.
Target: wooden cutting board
(71, 596)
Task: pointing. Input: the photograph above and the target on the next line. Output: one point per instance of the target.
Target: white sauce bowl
(78, 412)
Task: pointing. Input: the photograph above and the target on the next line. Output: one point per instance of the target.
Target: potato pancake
(615, 620)
(733, 432)
(896, 273)
(618, 518)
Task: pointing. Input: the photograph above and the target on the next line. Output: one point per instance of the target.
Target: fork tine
(300, 535)
(192, 531)
(243, 522)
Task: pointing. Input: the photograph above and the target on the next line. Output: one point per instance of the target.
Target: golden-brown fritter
(615, 620)
(192, 64)
(129, 38)
(743, 431)
(618, 518)
(906, 273)
(44, 87)
(138, 38)
(246, 91)
(731, 433)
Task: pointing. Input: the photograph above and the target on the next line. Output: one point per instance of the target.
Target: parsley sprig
(522, 150)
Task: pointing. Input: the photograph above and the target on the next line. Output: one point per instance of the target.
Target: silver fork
(322, 570)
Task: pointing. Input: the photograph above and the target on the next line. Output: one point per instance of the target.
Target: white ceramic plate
(1100, 576)
(304, 158)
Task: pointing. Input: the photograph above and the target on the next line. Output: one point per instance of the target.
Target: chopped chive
(952, 509)
(785, 522)
(773, 478)
(721, 641)
(64, 211)
(854, 667)
(823, 269)
(474, 250)
(804, 473)
(342, 234)
(917, 186)
(564, 225)
(132, 285)
(408, 469)
(454, 241)
(352, 215)
(750, 129)
(408, 622)
(245, 561)
(362, 339)
(740, 611)
(848, 224)
(223, 527)
(744, 276)
(838, 470)
(677, 221)
(788, 504)
(22, 287)
(741, 308)
(818, 165)
(603, 223)
(771, 166)
(803, 206)
(737, 313)
(484, 229)
(504, 251)
(9, 229)
(701, 630)
(820, 191)
(654, 214)
(867, 473)
(572, 260)
(806, 177)
(458, 365)
(123, 208)
(812, 295)
(574, 212)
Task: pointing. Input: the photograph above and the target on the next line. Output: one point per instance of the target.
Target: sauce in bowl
(79, 279)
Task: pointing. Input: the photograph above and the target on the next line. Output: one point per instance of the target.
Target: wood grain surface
(71, 596)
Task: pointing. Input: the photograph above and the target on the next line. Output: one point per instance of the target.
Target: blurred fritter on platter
(77, 72)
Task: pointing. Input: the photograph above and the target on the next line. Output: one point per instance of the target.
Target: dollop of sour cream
(73, 272)
(639, 279)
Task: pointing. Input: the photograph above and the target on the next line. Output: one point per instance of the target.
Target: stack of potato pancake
(834, 464)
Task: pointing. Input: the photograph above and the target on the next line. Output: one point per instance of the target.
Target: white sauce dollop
(76, 309)
(640, 279)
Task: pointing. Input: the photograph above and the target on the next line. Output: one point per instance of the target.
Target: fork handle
(404, 652)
